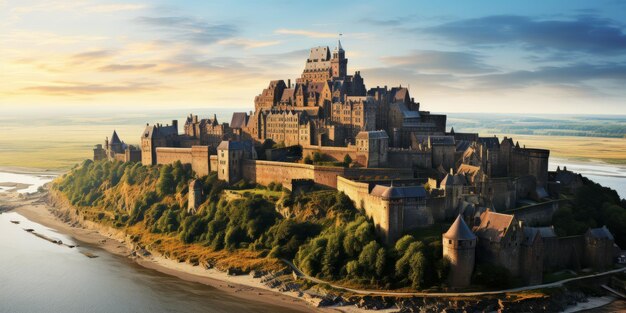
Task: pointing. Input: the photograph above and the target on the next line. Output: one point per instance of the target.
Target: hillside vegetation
(322, 231)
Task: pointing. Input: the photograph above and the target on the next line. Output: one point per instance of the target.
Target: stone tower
(195, 196)
(339, 63)
(459, 246)
(230, 157)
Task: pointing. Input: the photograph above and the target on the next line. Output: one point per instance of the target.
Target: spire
(339, 44)
(114, 138)
(459, 230)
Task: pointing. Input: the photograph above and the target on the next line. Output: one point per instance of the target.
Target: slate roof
(455, 179)
(493, 226)
(531, 232)
(153, 131)
(393, 192)
(601, 232)
(441, 140)
(489, 142)
(375, 134)
(459, 231)
(239, 120)
(115, 139)
(462, 145)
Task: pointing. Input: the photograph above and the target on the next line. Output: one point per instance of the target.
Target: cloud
(440, 62)
(388, 22)
(190, 29)
(115, 7)
(78, 6)
(306, 33)
(247, 43)
(125, 67)
(82, 89)
(573, 74)
(92, 55)
(584, 33)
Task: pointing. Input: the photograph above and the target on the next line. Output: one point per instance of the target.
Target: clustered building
(406, 171)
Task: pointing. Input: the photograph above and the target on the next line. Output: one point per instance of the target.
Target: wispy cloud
(125, 67)
(306, 33)
(440, 62)
(92, 55)
(190, 29)
(247, 43)
(83, 89)
(583, 33)
(79, 6)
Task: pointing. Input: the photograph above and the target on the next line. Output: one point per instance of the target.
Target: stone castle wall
(265, 172)
(334, 153)
(401, 158)
(197, 156)
(536, 214)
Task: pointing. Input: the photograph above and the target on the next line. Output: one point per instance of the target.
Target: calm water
(39, 276)
(609, 175)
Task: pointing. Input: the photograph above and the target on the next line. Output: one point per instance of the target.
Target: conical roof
(115, 139)
(459, 231)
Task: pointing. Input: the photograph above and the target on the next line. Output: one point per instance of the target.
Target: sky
(565, 57)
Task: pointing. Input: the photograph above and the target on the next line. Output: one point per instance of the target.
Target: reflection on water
(39, 276)
(608, 175)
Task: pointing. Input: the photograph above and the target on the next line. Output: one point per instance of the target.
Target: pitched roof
(115, 139)
(441, 140)
(531, 232)
(493, 226)
(601, 232)
(393, 192)
(459, 231)
(239, 120)
(455, 179)
(374, 134)
(489, 142)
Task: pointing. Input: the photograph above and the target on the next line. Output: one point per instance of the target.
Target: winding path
(300, 274)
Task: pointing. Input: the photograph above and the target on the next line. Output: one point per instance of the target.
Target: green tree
(347, 160)
(166, 184)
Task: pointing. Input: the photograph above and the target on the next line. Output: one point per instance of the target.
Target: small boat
(30, 230)
(15, 222)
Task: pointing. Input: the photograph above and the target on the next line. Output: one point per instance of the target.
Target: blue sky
(456, 56)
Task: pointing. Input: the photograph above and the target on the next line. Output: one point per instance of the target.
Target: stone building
(230, 158)
(116, 150)
(459, 247)
(207, 131)
(526, 252)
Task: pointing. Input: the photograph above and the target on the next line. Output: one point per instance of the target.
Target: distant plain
(59, 141)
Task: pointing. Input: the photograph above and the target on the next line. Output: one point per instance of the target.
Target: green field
(59, 142)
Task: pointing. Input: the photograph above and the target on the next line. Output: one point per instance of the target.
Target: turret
(459, 246)
(339, 63)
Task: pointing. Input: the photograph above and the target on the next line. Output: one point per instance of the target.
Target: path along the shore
(300, 274)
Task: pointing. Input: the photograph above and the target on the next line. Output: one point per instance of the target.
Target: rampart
(197, 156)
(265, 172)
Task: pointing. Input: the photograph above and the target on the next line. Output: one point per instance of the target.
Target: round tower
(459, 246)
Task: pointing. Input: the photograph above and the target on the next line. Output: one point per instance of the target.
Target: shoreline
(243, 286)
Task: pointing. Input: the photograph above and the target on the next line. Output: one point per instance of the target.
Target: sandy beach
(34, 208)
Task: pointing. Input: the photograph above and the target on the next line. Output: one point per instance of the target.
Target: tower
(339, 63)
(459, 246)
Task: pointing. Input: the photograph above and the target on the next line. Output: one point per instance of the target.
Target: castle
(397, 162)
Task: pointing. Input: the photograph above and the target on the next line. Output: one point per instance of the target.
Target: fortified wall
(197, 156)
(265, 172)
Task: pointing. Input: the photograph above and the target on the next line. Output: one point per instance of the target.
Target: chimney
(175, 124)
(289, 83)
